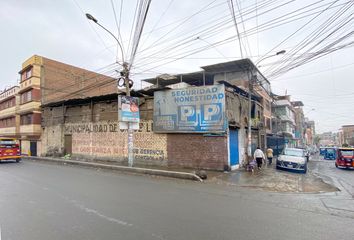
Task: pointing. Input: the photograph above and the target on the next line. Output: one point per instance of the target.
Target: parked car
(293, 159)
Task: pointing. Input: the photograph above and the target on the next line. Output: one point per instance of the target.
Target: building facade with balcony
(29, 106)
(284, 119)
(299, 123)
(9, 118)
(43, 81)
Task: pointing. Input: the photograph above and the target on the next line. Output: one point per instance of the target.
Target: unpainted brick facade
(93, 131)
(92, 128)
(61, 82)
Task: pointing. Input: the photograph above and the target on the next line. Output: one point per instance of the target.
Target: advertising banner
(192, 109)
(128, 109)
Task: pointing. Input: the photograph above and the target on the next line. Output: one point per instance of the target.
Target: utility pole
(130, 127)
(125, 75)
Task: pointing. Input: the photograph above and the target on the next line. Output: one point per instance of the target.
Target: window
(26, 74)
(268, 123)
(26, 119)
(29, 96)
(267, 105)
(26, 96)
(7, 104)
(7, 122)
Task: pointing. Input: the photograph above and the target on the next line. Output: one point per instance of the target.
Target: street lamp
(250, 88)
(309, 111)
(125, 74)
(93, 19)
(276, 54)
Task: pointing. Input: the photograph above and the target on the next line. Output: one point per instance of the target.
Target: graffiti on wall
(105, 139)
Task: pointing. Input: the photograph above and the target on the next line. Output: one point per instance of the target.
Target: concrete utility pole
(130, 128)
(125, 75)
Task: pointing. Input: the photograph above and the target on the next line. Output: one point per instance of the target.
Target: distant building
(310, 132)
(347, 134)
(328, 139)
(299, 123)
(284, 119)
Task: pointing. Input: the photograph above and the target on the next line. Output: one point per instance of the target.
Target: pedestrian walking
(259, 156)
(270, 155)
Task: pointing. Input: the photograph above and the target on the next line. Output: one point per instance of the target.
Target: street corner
(273, 180)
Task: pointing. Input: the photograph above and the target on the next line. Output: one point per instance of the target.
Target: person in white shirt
(259, 156)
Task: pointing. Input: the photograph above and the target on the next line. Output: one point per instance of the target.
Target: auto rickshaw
(345, 157)
(330, 153)
(322, 151)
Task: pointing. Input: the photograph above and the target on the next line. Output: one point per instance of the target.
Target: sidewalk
(139, 170)
(270, 179)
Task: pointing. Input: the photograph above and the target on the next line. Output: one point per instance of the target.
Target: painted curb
(156, 172)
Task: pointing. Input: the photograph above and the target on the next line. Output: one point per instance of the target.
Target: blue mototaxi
(330, 153)
(322, 151)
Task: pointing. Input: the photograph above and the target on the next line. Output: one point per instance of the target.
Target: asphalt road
(47, 201)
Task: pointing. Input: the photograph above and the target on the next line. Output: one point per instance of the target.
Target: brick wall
(95, 134)
(61, 81)
(197, 151)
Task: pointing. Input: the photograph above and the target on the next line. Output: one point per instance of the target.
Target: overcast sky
(176, 29)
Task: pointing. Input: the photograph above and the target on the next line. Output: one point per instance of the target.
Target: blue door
(234, 157)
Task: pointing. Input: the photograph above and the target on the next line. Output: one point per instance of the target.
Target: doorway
(68, 144)
(234, 151)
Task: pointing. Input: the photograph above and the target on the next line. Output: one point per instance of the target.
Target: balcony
(29, 83)
(30, 129)
(8, 131)
(29, 107)
(11, 111)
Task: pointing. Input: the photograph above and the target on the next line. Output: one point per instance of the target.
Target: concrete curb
(156, 172)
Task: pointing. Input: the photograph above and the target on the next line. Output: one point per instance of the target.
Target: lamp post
(309, 111)
(252, 79)
(276, 54)
(125, 75)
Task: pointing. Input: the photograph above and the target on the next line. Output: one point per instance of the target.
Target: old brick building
(89, 128)
(68, 110)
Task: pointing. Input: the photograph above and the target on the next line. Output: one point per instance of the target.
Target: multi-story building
(340, 137)
(299, 123)
(310, 132)
(327, 139)
(244, 74)
(347, 135)
(284, 118)
(9, 119)
(43, 81)
(29, 107)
